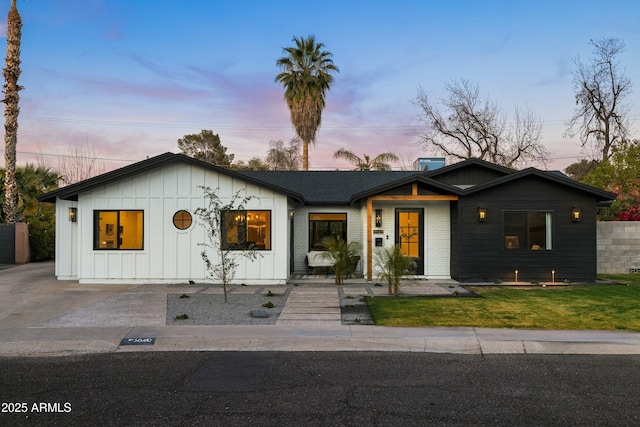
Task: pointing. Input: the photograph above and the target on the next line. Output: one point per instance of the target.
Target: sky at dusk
(131, 77)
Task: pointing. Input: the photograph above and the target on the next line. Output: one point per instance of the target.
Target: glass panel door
(409, 235)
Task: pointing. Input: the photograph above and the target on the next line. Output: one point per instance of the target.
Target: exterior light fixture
(378, 218)
(291, 213)
(576, 215)
(73, 214)
(482, 214)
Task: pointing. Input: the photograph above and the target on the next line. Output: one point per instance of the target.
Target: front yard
(587, 307)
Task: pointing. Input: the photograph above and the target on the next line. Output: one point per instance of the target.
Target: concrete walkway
(31, 299)
(319, 306)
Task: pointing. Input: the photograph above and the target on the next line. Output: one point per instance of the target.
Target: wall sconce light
(575, 214)
(378, 218)
(482, 214)
(291, 213)
(73, 214)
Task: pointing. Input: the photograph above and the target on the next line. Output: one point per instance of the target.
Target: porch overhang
(414, 197)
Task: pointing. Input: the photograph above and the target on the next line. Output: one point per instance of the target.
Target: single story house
(470, 221)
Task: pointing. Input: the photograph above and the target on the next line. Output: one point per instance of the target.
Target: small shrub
(182, 317)
(184, 296)
(393, 264)
(344, 255)
(268, 304)
(42, 230)
(270, 294)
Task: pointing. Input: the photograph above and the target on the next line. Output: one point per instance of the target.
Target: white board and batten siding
(437, 235)
(170, 255)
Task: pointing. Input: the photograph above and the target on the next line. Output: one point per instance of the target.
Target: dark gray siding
(7, 244)
(481, 253)
(470, 175)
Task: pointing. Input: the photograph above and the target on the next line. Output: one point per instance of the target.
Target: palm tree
(366, 163)
(31, 181)
(306, 77)
(345, 256)
(12, 109)
(392, 265)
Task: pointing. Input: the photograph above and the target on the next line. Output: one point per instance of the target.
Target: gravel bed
(354, 310)
(210, 309)
(202, 308)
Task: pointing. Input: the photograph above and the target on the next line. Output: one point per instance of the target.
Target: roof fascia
(467, 163)
(601, 194)
(71, 192)
(418, 177)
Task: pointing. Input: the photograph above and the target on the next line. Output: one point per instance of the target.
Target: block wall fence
(618, 247)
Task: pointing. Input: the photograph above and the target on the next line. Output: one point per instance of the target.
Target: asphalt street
(319, 389)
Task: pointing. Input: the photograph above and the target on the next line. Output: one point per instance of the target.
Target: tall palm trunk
(305, 155)
(12, 109)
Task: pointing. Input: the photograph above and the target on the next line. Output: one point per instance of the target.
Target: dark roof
(331, 187)
(70, 192)
(601, 195)
(466, 163)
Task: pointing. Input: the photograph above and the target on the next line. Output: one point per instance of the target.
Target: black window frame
(117, 230)
(529, 242)
(240, 218)
(178, 220)
(313, 224)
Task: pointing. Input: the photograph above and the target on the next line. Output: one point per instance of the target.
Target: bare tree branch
(471, 127)
(601, 119)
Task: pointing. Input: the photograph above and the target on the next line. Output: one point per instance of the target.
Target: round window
(182, 220)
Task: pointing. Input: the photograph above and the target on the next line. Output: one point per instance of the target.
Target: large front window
(246, 230)
(528, 230)
(117, 230)
(324, 225)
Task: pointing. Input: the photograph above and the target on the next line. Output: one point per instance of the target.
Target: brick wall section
(23, 252)
(618, 247)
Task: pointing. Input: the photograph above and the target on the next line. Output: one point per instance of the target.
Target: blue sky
(132, 77)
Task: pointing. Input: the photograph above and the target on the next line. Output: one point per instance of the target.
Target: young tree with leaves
(472, 127)
(601, 118)
(253, 164)
(12, 110)
(205, 146)
(306, 76)
(620, 174)
(219, 219)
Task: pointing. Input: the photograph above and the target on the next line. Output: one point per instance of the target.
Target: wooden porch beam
(369, 239)
(415, 198)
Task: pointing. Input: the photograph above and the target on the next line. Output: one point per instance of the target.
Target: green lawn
(595, 307)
